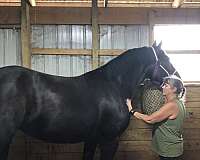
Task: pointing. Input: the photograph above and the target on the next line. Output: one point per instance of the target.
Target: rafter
(177, 3)
(108, 3)
(32, 2)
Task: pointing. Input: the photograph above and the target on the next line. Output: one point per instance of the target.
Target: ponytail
(182, 94)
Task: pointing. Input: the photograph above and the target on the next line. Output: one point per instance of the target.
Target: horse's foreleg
(4, 148)
(109, 149)
(5, 139)
(8, 127)
(89, 150)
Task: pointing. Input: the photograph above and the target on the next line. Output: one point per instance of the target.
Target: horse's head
(162, 67)
(159, 66)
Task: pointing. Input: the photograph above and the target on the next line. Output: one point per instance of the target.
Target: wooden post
(105, 3)
(25, 34)
(151, 27)
(95, 35)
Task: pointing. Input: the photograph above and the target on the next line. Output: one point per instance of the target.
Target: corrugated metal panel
(64, 36)
(105, 37)
(132, 37)
(10, 51)
(46, 63)
(122, 37)
(80, 37)
(64, 66)
(80, 65)
(88, 36)
(144, 35)
(51, 64)
(77, 36)
(10, 47)
(61, 65)
(105, 59)
(77, 65)
(50, 36)
(38, 63)
(37, 36)
(137, 36)
(118, 37)
(87, 64)
(2, 48)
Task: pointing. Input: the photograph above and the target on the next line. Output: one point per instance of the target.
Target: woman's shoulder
(172, 105)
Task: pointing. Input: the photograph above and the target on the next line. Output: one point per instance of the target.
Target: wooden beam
(56, 51)
(151, 27)
(177, 3)
(105, 3)
(95, 35)
(75, 52)
(101, 3)
(102, 52)
(32, 2)
(25, 34)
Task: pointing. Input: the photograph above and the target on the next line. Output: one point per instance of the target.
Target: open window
(182, 43)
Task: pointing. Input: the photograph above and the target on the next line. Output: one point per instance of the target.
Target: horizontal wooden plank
(106, 52)
(193, 112)
(191, 134)
(127, 146)
(9, 15)
(176, 16)
(191, 104)
(124, 146)
(111, 3)
(56, 51)
(52, 51)
(82, 15)
(137, 138)
(137, 135)
(191, 123)
(183, 51)
(75, 15)
(193, 94)
(191, 154)
(138, 155)
(146, 134)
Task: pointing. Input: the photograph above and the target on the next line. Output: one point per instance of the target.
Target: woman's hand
(128, 103)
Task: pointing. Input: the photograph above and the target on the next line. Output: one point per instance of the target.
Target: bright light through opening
(185, 38)
(178, 37)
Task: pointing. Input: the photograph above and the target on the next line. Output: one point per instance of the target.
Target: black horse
(90, 108)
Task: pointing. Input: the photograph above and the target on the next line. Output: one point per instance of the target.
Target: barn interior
(71, 37)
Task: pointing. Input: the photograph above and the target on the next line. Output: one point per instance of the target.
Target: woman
(167, 139)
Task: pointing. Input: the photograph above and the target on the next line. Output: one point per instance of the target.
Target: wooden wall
(134, 144)
(59, 15)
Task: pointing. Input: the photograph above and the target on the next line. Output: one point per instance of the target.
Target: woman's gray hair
(177, 83)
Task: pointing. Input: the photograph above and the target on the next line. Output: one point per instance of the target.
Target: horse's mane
(127, 61)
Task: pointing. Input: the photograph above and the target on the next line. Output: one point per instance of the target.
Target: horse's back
(59, 109)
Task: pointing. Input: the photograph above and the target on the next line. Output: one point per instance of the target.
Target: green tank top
(167, 140)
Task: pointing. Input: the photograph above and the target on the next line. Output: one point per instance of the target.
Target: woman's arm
(169, 110)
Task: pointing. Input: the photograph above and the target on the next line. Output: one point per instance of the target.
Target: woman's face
(168, 89)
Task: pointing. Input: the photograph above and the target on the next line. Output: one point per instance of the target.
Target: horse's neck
(126, 75)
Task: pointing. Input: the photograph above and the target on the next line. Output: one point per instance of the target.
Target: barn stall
(69, 38)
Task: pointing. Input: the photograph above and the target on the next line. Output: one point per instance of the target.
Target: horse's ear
(159, 45)
(154, 44)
